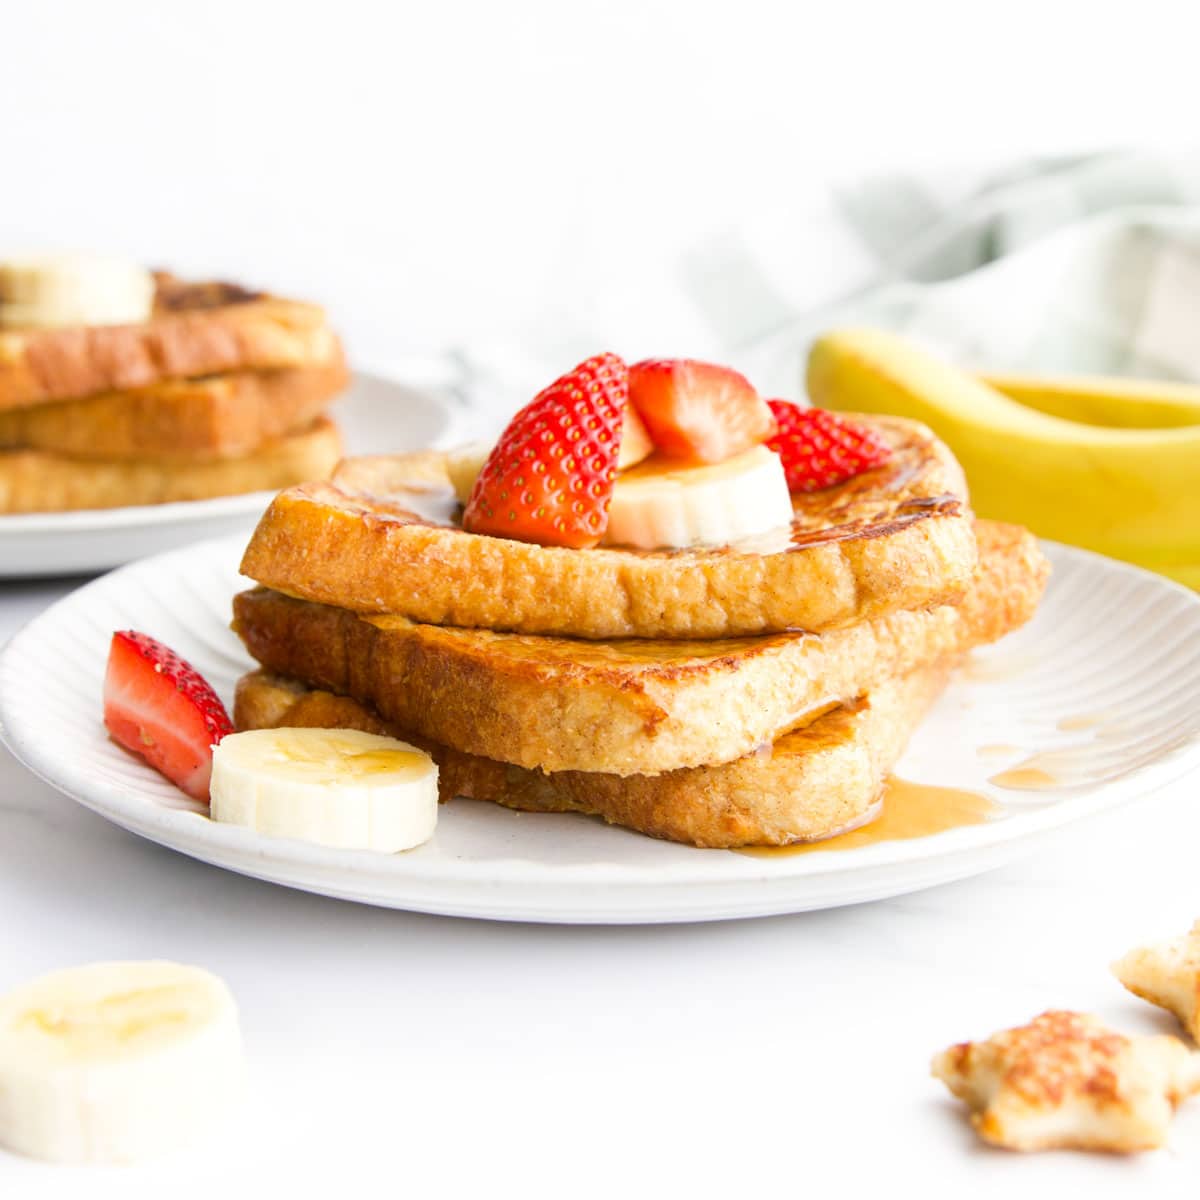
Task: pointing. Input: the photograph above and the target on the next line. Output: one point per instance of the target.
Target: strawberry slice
(820, 448)
(161, 708)
(550, 478)
(698, 410)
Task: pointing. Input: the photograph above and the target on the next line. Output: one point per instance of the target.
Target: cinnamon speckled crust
(196, 329)
(810, 784)
(625, 707)
(898, 536)
(36, 481)
(1167, 974)
(217, 416)
(1065, 1081)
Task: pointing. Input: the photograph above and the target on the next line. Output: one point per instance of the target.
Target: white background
(443, 173)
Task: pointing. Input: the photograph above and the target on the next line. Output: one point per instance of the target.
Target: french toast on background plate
(121, 387)
(213, 416)
(40, 481)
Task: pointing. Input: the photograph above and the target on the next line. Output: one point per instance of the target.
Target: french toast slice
(196, 329)
(637, 707)
(215, 416)
(809, 785)
(34, 481)
(385, 537)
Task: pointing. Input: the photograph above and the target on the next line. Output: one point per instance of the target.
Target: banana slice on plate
(667, 503)
(60, 290)
(116, 1062)
(337, 787)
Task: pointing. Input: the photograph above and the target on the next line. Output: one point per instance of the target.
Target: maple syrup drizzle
(910, 810)
(998, 750)
(1026, 777)
(1082, 721)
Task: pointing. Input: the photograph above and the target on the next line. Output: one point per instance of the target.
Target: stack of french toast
(119, 386)
(658, 599)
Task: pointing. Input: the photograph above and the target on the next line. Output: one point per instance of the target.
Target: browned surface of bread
(1067, 1081)
(384, 538)
(810, 784)
(196, 329)
(626, 707)
(36, 481)
(217, 416)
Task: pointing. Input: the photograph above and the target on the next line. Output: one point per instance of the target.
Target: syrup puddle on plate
(998, 750)
(995, 670)
(1034, 774)
(910, 810)
(1082, 721)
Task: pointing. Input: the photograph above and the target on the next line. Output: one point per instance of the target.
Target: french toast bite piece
(1167, 974)
(1066, 1081)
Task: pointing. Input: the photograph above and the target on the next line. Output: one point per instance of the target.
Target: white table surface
(399, 1054)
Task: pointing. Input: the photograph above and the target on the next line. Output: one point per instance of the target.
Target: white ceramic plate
(1104, 685)
(376, 415)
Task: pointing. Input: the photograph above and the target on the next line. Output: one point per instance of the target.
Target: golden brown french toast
(384, 537)
(38, 481)
(215, 416)
(624, 707)
(810, 784)
(196, 329)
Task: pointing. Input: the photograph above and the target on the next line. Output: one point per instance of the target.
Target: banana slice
(53, 291)
(636, 445)
(115, 1062)
(664, 503)
(463, 465)
(338, 787)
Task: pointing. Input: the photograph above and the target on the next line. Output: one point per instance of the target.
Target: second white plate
(1101, 690)
(377, 416)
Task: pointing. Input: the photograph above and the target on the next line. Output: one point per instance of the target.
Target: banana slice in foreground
(116, 1062)
(338, 787)
(58, 290)
(667, 503)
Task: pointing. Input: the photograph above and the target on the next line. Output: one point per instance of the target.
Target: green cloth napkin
(1086, 265)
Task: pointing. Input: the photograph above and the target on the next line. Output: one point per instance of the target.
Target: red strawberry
(698, 410)
(550, 478)
(820, 448)
(160, 707)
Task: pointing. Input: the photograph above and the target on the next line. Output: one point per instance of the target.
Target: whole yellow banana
(1130, 493)
(1100, 400)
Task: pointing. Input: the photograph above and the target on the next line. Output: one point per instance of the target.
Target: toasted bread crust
(624, 708)
(196, 329)
(811, 784)
(896, 537)
(35, 481)
(218, 416)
